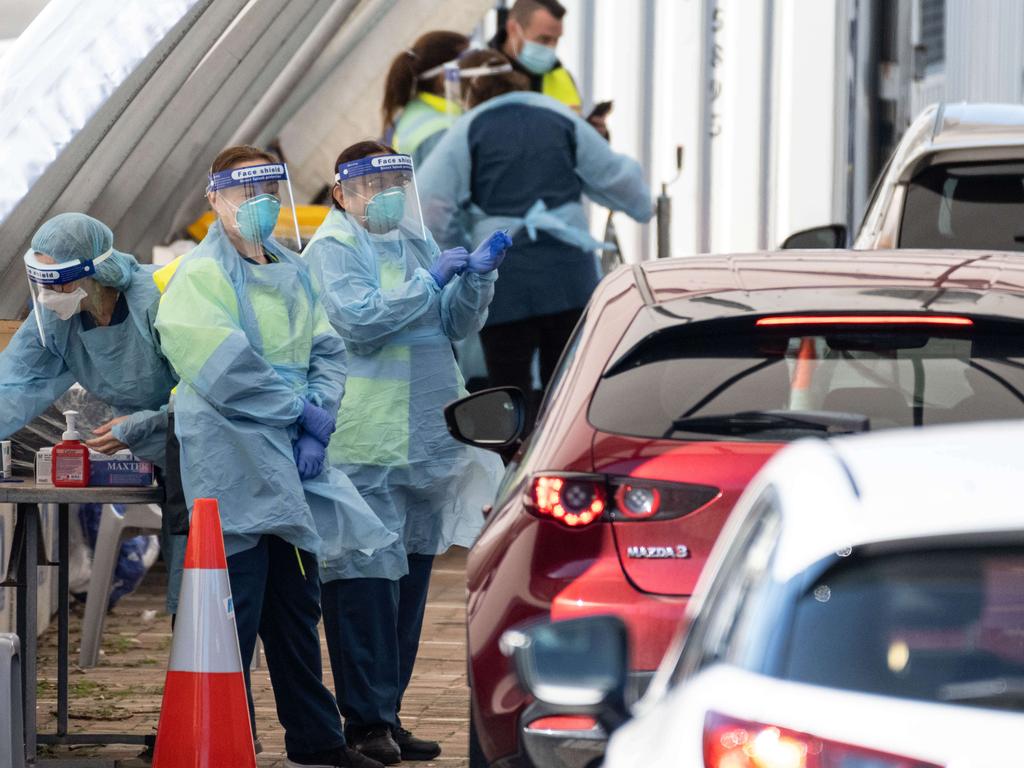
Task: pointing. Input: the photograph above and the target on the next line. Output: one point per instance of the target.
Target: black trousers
(373, 633)
(509, 349)
(276, 593)
(175, 508)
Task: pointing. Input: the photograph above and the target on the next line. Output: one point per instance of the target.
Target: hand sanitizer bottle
(71, 457)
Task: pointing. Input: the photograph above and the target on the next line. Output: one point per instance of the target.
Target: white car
(863, 608)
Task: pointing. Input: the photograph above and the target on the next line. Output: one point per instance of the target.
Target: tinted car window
(965, 206)
(682, 383)
(943, 626)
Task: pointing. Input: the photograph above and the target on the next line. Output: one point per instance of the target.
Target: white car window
(742, 567)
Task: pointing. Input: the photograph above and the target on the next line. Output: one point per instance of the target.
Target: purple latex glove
(490, 253)
(448, 264)
(309, 455)
(317, 422)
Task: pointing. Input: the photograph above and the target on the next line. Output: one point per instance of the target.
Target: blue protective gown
(250, 341)
(120, 364)
(391, 439)
(522, 161)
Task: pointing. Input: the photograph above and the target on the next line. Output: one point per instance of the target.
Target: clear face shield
(465, 76)
(380, 193)
(255, 204)
(452, 90)
(58, 289)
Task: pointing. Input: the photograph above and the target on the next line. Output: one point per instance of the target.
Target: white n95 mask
(64, 305)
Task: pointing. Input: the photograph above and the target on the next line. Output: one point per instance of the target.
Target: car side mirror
(574, 667)
(830, 236)
(492, 418)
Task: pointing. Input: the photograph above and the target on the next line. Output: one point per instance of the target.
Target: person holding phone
(529, 38)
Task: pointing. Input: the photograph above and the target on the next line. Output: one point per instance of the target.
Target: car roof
(950, 281)
(896, 486)
(970, 124)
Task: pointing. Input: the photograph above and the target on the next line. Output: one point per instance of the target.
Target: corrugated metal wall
(984, 50)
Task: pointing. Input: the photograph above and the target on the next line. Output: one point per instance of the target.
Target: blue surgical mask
(257, 217)
(537, 58)
(385, 210)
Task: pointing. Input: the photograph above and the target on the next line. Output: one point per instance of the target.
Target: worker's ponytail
(430, 51)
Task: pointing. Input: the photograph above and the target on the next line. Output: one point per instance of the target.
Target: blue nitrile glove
(448, 264)
(317, 422)
(490, 253)
(309, 456)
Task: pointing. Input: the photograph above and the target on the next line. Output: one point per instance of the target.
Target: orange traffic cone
(803, 374)
(204, 721)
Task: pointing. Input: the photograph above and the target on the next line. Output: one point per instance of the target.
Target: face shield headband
(386, 185)
(481, 71)
(66, 272)
(267, 207)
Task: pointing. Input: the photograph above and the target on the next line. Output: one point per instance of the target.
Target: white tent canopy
(117, 107)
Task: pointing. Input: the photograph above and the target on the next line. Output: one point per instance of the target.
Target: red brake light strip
(864, 320)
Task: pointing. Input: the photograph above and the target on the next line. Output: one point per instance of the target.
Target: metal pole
(664, 219)
(707, 22)
(588, 32)
(648, 42)
(28, 602)
(865, 117)
(63, 568)
(767, 101)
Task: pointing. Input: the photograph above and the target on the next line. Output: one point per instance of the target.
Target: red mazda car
(683, 377)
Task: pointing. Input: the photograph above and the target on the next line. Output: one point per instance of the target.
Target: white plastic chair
(12, 735)
(113, 528)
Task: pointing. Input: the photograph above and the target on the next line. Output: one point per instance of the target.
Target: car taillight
(578, 500)
(782, 320)
(563, 723)
(637, 502)
(734, 743)
(575, 501)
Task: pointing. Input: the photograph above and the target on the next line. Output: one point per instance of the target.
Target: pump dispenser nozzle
(71, 433)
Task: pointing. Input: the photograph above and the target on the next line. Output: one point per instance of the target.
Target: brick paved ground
(123, 693)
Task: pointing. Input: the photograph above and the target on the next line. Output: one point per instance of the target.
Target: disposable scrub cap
(78, 237)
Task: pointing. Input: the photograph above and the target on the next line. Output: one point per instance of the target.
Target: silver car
(956, 180)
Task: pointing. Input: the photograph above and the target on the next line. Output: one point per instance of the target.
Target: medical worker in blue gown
(521, 161)
(399, 303)
(262, 373)
(93, 309)
(92, 317)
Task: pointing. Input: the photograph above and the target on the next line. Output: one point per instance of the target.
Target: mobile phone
(601, 109)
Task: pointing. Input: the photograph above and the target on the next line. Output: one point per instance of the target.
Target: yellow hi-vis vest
(162, 277)
(559, 85)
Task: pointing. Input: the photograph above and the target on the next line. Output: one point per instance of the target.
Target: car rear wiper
(745, 422)
(1003, 691)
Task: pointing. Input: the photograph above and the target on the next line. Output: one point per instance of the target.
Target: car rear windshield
(735, 380)
(978, 205)
(941, 625)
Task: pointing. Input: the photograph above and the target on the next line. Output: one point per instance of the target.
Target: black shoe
(413, 748)
(377, 744)
(338, 758)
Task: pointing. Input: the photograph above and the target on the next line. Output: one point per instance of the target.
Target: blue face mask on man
(385, 210)
(538, 59)
(257, 217)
